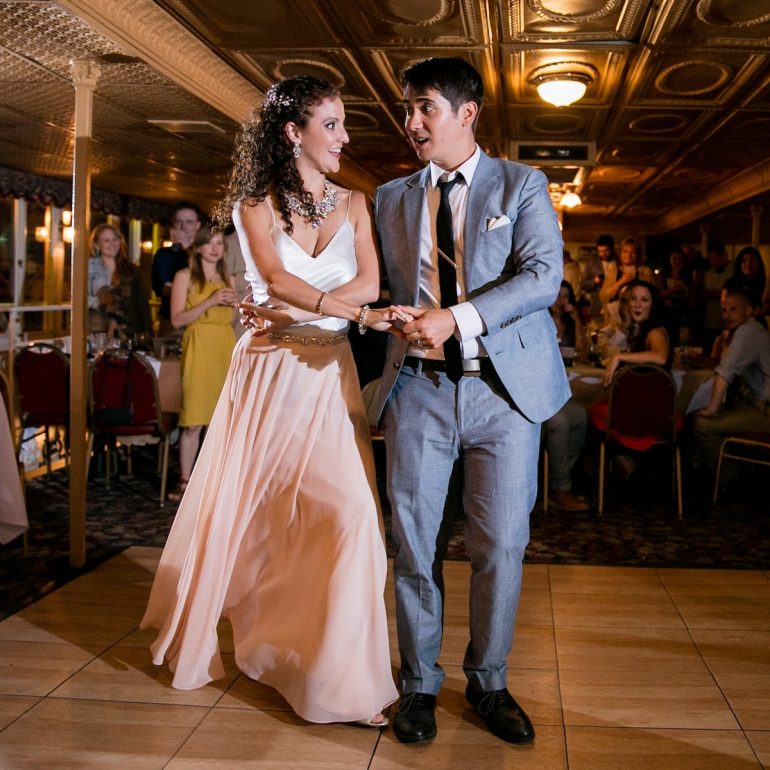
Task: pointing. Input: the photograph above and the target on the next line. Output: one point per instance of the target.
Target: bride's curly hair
(263, 158)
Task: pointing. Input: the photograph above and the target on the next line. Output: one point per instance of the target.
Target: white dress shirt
(469, 323)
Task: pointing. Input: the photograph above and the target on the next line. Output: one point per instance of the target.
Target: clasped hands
(427, 328)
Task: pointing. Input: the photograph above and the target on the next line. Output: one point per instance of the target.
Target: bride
(279, 529)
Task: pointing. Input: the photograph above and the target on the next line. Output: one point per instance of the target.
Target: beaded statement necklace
(315, 213)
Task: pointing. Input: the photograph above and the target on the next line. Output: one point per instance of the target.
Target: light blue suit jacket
(512, 275)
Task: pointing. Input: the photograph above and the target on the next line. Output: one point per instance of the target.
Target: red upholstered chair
(42, 375)
(640, 414)
(743, 447)
(125, 405)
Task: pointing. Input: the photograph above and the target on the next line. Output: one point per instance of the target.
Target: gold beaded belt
(300, 339)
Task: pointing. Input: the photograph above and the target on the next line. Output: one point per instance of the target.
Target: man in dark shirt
(186, 220)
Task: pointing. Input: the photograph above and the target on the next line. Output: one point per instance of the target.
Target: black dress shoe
(415, 720)
(502, 715)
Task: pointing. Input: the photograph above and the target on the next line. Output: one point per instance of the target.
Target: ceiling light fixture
(562, 83)
(562, 90)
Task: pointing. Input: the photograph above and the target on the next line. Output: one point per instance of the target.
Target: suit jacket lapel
(414, 207)
(486, 177)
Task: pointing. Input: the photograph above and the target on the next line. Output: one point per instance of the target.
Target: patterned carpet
(639, 527)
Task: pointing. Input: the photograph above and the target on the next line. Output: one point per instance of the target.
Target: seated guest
(746, 354)
(565, 432)
(117, 299)
(565, 316)
(647, 338)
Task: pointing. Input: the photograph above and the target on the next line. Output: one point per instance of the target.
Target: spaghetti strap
(347, 212)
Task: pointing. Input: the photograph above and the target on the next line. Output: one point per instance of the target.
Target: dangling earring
(297, 149)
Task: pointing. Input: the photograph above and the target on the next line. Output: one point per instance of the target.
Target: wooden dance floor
(617, 667)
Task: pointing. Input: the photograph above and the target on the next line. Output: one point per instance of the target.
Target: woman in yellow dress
(202, 299)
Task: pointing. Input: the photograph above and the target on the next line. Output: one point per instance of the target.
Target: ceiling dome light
(569, 200)
(563, 82)
(561, 90)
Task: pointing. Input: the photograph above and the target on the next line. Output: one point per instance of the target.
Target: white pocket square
(496, 222)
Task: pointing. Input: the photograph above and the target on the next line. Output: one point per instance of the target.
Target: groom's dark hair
(456, 80)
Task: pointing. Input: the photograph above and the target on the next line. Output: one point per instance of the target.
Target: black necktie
(447, 274)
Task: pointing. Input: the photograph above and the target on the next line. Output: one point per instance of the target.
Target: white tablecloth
(13, 512)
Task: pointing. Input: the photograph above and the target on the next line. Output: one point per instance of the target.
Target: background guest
(203, 300)
(117, 298)
(749, 273)
(746, 355)
(572, 272)
(186, 220)
(647, 338)
(710, 294)
(676, 284)
(628, 268)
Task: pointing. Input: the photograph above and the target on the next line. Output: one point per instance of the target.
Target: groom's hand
(430, 328)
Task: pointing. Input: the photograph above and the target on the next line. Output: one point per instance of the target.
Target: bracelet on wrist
(362, 319)
(318, 304)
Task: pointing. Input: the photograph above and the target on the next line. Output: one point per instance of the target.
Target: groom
(472, 245)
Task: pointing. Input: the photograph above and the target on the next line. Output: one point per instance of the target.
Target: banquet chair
(745, 447)
(639, 415)
(42, 377)
(5, 394)
(125, 408)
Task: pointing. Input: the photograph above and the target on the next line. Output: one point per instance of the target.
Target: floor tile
(88, 735)
(34, 668)
(623, 649)
(76, 624)
(725, 612)
(234, 739)
(713, 582)
(606, 748)
(574, 579)
(246, 693)
(127, 673)
(649, 698)
(749, 697)
(615, 610)
(734, 651)
(13, 706)
(760, 742)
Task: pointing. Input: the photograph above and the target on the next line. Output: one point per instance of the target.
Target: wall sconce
(68, 233)
(168, 244)
(146, 246)
(569, 200)
(66, 218)
(41, 234)
(562, 83)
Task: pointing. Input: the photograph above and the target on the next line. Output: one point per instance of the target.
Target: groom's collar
(467, 169)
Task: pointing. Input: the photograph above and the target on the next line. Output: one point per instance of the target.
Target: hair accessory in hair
(276, 99)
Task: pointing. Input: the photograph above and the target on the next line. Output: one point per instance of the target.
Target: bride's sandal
(178, 493)
(376, 720)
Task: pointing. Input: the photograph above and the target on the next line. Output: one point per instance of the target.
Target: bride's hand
(388, 319)
(263, 318)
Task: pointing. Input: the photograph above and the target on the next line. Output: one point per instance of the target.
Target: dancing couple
(279, 529)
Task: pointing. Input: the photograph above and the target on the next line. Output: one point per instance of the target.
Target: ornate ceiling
(676, 117)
